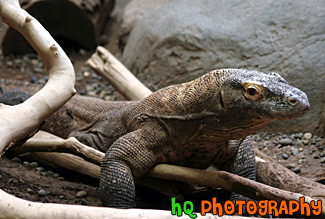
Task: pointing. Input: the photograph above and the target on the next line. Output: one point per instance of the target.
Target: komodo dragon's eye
(252, 91)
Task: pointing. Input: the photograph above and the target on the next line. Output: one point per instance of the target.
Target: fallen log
(79, 23)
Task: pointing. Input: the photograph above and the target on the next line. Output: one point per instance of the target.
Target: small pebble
(12, 180)
(26, 163)
(42, 81)
(300, 156)
(33, 164)
(16, 159)
(9, 63)
(92, 93)
(56, 175)
(307, 136)
(322, 160)
(298, 142)
(284, 136)
(18, 61)
(295, 151)
(35, 61)
(84, 202)
(94, 76)
(299, 135)
(38, 70)
(290, 166)
(81, 194)
(285, 141)
(285, 156)
(61, 197)
(40, 169)
(43, 192)
(34, 79)
(82, 52)
(44, 173)
(297, 170)
(86, 74)
(305, 141)
(83, 92)
(29, 190)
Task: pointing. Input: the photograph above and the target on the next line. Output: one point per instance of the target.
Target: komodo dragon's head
(268, 96)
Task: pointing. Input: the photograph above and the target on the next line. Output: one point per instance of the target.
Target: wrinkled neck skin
(238, 124)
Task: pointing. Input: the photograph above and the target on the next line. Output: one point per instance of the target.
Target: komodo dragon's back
(202, 122)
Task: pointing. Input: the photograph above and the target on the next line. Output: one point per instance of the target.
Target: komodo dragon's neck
(197, 98)
(203, 94)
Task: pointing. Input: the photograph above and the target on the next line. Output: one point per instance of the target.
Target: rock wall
(184, 39)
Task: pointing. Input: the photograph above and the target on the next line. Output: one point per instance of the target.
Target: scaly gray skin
(205, 121)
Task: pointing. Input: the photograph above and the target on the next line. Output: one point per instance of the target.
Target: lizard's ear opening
(252, 91)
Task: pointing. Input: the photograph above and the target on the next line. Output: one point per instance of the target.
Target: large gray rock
(134, 11)
(187, 38)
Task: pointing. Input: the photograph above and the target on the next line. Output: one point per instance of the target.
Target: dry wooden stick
(44, 142)
(70, 145)
(106, 65)
(17, 122)
(13, 207)
(218, 179)
(272, 173)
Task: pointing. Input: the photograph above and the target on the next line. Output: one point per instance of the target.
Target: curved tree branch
(17, 122)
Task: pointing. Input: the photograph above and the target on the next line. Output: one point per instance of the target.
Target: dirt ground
(36, 182)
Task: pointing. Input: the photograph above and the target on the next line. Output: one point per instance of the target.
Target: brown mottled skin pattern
(196, 124)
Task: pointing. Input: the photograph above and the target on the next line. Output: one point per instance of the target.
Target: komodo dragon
(205, 121)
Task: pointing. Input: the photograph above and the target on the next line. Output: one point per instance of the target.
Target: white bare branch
(17, 122)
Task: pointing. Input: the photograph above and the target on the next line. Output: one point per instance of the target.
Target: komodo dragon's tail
(14, 97)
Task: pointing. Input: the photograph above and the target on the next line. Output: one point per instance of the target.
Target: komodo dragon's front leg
(129, 158)
(243, 163)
